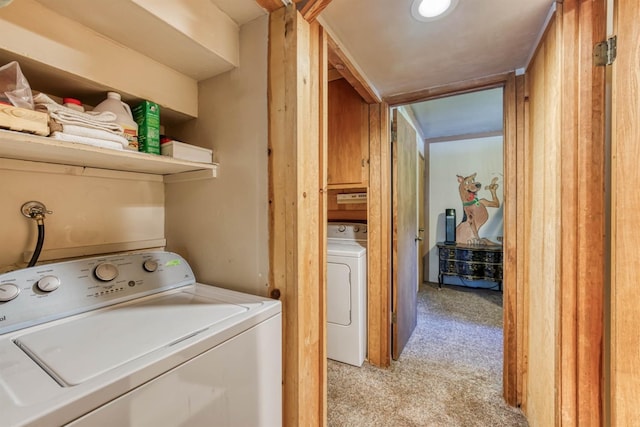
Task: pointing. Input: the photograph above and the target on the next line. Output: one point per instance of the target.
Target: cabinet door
(348, 136)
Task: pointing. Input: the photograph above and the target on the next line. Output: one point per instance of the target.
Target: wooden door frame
(421, 213)
(582, 282)
(297, 94)
(513, 289)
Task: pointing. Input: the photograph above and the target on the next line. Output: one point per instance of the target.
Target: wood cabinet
(348, 137)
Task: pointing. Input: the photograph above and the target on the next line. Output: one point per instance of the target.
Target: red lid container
(71, 101)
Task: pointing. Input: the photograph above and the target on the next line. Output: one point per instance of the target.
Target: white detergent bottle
(124, 118)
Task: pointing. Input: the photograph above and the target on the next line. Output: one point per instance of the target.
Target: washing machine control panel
(51, 291)
(347, 231)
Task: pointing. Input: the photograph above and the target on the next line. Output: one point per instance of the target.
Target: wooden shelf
(22, 146)
(354, 186)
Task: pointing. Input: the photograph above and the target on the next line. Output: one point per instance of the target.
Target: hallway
(450, 373)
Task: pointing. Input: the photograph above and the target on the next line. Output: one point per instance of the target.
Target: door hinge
(604, 53)
(394, 317)
(394, 136)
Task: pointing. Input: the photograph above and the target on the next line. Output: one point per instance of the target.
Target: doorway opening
(494, 131)
(463, 145)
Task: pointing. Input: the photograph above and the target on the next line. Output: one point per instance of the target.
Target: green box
(147, 115)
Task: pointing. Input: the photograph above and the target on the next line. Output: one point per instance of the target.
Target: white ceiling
(476, 112)
(399, 54)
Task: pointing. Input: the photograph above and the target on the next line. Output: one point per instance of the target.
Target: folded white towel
(86, 140)
(94, 133)
(97, 120)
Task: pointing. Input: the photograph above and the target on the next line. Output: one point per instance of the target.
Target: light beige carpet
(449, 374)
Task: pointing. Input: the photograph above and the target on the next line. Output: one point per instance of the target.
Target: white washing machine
(347, 292)
(133, 340)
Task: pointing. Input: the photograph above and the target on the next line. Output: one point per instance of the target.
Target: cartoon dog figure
(475, 210)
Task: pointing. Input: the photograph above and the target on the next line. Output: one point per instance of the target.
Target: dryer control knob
(48, 283)
(150, 265)
(106, 272)
(8, 291)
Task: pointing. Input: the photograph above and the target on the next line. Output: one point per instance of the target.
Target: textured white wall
(448, 159)
(221, 225)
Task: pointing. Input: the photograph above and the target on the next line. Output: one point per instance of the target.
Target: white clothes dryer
(347, 292)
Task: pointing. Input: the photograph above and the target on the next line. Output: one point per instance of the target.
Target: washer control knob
(106, 272)
(48, 283)
(150, 265)
(8, 291)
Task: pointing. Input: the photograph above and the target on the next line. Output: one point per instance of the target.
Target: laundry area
(132, 292)
(206, 203)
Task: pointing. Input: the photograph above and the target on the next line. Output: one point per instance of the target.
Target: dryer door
(338, 293)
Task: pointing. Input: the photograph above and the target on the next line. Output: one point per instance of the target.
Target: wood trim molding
(297, 202)
(379, 223)
(511, 334)
(414, 122)
(519, 209)
(333, 74)
(474, 135)
(496, 80)
(340, 61)
(270, 5)
(312, 8)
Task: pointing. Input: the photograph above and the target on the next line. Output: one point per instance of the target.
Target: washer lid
(79, 350)
(345, 249)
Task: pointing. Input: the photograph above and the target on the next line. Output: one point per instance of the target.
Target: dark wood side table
(472, 262)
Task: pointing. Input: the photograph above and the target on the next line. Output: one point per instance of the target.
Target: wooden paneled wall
(543, 220)
(625, 233)
(564, 221)
(583, 222)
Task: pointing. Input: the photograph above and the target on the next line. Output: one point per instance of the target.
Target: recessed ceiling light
(430, 10)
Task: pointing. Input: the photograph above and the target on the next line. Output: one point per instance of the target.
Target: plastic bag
(14, 87)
